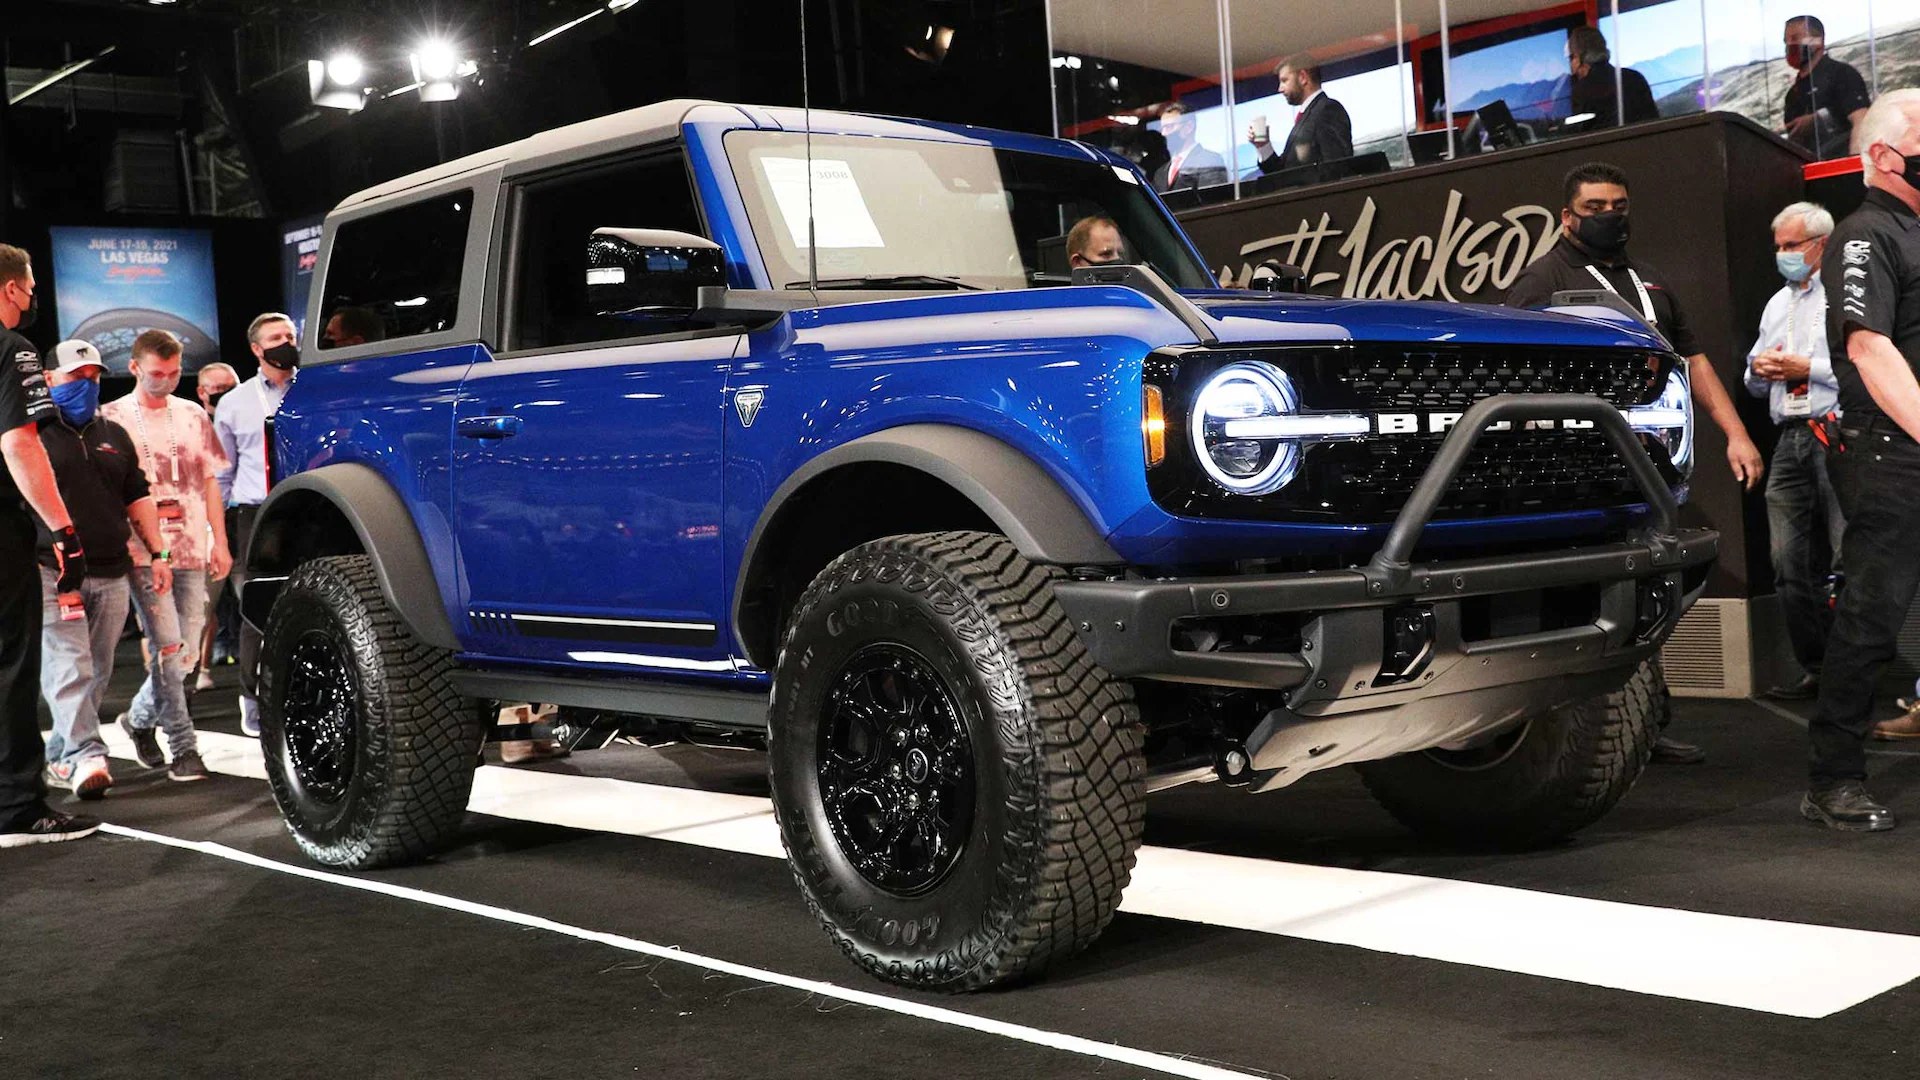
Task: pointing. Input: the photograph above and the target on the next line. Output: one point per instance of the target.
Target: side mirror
(1276, 276)
(650, 273)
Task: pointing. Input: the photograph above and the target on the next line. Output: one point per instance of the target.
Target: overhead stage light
(335, 83)
(345, 69)
(437, 69)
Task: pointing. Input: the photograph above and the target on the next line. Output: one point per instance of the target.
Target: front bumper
(1392, 656)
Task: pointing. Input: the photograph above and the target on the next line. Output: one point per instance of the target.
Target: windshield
(911, 214)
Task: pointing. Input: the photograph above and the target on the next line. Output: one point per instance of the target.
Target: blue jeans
(172, 625)
(1801, 500)
(76, 660)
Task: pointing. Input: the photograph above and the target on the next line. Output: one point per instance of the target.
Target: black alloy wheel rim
(895, 769)
(319, 729)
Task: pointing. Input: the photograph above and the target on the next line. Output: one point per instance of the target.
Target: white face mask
(159, 386)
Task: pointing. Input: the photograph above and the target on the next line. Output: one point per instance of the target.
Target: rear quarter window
(396, 274)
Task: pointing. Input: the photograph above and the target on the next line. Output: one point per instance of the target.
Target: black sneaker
(146, 742)
(52, 827)
(187, 768)
(1847, 807)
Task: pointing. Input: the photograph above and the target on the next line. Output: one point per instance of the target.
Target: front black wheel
(959, 786)
(369, 751)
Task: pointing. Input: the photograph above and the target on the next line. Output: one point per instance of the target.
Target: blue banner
(299, 252)
(113, 283)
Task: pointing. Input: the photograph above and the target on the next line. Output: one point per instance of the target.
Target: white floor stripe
(1793, 969)
(1072, 1044)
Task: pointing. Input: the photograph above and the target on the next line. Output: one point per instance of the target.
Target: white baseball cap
(73, 355)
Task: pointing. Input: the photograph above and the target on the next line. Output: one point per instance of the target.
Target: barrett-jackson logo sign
(1459, 260)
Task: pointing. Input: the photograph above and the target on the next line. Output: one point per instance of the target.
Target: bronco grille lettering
(1440, 422)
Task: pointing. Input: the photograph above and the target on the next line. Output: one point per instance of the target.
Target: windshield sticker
(840, 217)
(1127, 175)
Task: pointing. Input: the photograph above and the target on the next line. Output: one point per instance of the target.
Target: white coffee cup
(1259, 128)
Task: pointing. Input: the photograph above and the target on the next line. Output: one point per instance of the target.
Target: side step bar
(723, 708)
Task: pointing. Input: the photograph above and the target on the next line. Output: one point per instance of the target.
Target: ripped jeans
(172, 625)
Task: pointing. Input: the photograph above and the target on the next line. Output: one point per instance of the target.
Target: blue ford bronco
(734, 423)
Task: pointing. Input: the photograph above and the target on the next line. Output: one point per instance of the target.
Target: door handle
(488, 427)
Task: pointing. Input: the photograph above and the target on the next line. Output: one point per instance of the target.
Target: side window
(396, 274)
(557, 220)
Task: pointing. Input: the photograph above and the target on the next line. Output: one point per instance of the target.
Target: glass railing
(1225, 99)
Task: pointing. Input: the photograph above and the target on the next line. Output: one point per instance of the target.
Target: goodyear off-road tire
(946, 656)
(369, 752)
(1558, 773)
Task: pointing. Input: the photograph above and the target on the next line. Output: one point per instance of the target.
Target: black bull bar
(1127, 623)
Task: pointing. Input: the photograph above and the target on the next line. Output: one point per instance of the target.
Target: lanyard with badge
(1646, 302)
(173, 516)
(1797, 401)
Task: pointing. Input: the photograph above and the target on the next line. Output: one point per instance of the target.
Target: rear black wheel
(369, 751)
(959, 787)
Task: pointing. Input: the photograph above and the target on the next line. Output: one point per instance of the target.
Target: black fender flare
(1023, 501)
(387, 534)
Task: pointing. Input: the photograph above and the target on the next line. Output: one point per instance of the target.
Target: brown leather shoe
(1904, 726)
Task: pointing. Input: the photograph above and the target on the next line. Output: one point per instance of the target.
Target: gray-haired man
(242, 422)
(1790, 367)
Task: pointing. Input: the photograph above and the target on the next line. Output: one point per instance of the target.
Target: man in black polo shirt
(1592, 251)
(25, 817)
(98, 469)
(1872, 276)
(1827, 98)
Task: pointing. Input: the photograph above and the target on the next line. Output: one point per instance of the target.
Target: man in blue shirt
(243, 423)
(1790, 367)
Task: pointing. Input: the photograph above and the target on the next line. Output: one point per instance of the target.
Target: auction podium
(1705, 189)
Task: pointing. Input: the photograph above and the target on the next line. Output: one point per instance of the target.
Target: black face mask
(29, 313)
(284, 357)
(213, 400)
(1605, 232)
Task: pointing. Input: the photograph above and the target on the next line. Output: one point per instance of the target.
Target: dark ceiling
(216, 90)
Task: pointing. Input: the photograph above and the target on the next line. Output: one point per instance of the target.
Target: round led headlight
(1669, 421)
(1233, 434)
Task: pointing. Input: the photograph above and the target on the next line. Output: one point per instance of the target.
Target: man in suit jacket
(1191, 165)
(1592, 90)
(1322, 131)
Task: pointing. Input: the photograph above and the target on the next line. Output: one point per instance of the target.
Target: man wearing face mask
(25, 817)
(1789, 367)
(1592, 251)
(1871, 273)
(98, 470)
(244, 423)
(181, 457)
(1827, 97)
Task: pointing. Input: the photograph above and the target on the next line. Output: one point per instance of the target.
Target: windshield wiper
(890, 281)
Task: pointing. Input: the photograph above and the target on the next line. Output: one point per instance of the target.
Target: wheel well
(834, 513)
(305, 525)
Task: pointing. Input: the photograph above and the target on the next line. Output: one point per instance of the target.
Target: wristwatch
(163, 555)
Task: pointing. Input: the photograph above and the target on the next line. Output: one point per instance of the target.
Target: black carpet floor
(125, 958)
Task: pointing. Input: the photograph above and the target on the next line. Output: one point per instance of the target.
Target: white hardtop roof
(648, 123)
(637, 127)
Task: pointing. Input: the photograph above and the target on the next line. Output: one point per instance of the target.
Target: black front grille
(1515, 472)
(1520, 471)
(1456, 378)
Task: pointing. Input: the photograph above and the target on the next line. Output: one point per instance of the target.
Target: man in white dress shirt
(242, 423)
(1791, 368)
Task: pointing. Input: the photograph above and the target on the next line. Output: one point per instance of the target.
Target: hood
(1241, 317)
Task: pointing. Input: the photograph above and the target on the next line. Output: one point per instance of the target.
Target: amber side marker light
(1153, 425)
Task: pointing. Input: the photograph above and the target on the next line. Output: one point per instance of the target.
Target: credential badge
(747, 404)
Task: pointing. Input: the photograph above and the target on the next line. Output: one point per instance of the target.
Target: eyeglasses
(1796, 245)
